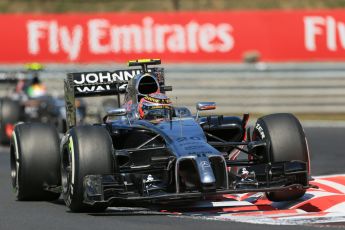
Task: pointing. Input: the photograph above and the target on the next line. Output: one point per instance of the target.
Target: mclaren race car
(149, 150)
(27, 99)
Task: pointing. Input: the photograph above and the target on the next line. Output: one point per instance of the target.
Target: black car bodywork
(16, 106)
(184, 157)
(177, 158)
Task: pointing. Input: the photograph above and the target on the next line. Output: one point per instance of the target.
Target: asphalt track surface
(327, 157)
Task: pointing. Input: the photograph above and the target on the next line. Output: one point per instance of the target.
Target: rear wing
(11, 77)
(102, 83)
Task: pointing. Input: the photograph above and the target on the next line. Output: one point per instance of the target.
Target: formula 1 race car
(148, 150)
(27, 99)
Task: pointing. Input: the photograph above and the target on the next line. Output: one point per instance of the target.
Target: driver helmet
(34, 87)
(36, 90)
(154, 106)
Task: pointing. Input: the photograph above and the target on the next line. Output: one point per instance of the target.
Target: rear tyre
(285, 136)
(61, 124)
(89, 151)
(10, 112)
(35, 161)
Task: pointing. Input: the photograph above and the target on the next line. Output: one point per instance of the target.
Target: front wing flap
(144, 187)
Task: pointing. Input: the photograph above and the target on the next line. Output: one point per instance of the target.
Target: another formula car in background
(150, 150)
(27, 99)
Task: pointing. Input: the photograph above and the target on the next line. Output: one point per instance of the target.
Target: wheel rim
(66, 172)
(14, 168)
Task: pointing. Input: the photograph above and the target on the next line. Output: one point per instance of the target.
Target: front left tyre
(88, 151)
(35, 161)
(287, 142)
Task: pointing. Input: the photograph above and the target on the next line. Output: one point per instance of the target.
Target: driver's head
(154, 106)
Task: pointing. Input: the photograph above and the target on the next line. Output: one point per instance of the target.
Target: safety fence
(261, 88)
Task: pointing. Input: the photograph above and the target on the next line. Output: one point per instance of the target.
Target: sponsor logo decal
(260, 130)
(144, 36)
(193, 37)
(204, 165)
(325, 28)
(101, 81)
(105, 77)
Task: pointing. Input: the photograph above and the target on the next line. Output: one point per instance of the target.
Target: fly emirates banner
(224, 36)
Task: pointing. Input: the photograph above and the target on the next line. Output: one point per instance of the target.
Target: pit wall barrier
(301, 88)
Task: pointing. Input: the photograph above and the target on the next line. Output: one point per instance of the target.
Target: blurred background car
(28, 100)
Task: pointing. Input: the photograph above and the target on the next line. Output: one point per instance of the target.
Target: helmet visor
(156, 111)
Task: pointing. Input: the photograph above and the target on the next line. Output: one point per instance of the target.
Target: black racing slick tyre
(35, 161)
(88, 151)
(285, 137)
(10, 113)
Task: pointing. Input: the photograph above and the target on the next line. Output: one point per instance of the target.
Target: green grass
(17, 6)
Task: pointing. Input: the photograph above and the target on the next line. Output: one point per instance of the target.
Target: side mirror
(200, 106)
(115, 112)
